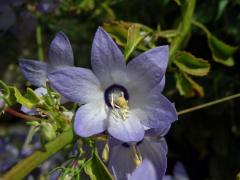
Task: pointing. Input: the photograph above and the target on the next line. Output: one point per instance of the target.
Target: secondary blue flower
(145, 171)
(152, 148)
(122, 99)
(60, 55)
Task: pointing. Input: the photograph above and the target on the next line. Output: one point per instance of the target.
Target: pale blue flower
(122, 158)
(145, 171)
(124, 99)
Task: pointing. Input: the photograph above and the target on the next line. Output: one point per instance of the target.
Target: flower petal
(60, 51)
(34, 71)
(90, 119)
(156, 152)
(145, 171)
(154, 110)
(106, 59)
(79, 85)
(147, 69)
(179, 171)
(117, 165)
(29, 111)
(129, 130)
(161, 85)
(161, 131)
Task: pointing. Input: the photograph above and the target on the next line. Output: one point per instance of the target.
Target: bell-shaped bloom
(60, 55)
(145, 171)
(122, 160)
(124, 99)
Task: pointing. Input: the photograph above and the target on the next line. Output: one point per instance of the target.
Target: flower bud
(47, 131)
(105, 153)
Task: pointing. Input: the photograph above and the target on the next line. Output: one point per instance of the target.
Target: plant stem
(183, 28)
(20, 115)
(24, 167)
(185, 111)
(39, 43)
(201, 26)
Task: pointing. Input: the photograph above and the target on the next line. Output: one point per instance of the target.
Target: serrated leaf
(135, 36)
(221, 52)
(96, 169)
(186, 86)
(20, 98)
(190, 64)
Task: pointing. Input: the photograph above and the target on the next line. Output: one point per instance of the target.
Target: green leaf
(122, 32)
(32, 96)
(135, 36)
(96, 169)
(188, 87)
(222, 4)
(190, 64)
(4, 89)
(20, 98)
(117, 31)
(221, 52)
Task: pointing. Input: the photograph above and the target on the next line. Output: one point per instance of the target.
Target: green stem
(39, 43)
(24, 167)
(185, 111)
(184, 27)
(201, 26)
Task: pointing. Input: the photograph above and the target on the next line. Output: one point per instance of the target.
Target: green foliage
(190, 64)
(21, 99)
(96, 169)
(134, 37)
(186, 86)
(130, 35)
(221, 52)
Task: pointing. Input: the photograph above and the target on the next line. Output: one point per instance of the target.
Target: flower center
(116, 97)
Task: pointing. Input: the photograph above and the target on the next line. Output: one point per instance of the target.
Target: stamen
(137, 157)
(119, 106)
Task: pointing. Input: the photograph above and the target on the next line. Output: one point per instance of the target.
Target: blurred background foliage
(207, 141)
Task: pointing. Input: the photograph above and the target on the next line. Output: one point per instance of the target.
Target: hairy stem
(184, 27)
(24, 167)
(185, 111)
